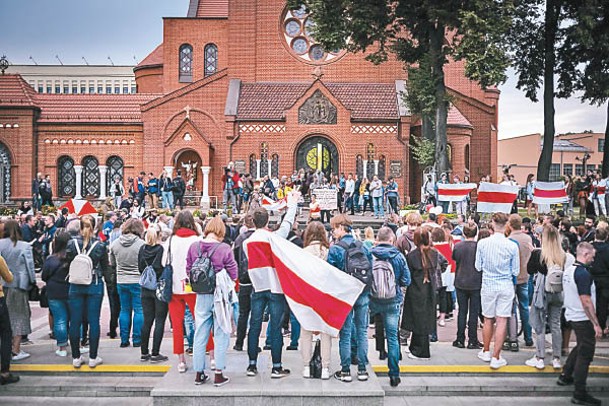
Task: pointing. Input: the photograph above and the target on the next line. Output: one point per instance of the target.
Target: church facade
(244, 82)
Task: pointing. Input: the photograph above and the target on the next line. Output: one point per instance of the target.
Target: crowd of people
(507, 272)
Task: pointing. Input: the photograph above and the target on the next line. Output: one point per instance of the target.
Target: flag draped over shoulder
(549, 193)
(454, 192)
(272, 205)
(319, 295)
(493, 198)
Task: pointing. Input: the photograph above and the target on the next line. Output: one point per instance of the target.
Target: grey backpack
(383, 280)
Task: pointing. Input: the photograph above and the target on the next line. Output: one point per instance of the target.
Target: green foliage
(423, 151)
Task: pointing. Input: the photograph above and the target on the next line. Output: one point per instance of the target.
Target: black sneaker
(238, 347)
(362, 375)
(564, 380)
(252, 370)
(159, 358)
(145, 357)
(343, 376)
(201, 378)
(125, 345)
(458, 344)
(267, 348)
(514, 347)
(529, 343)
(8, 379)
(292, 348)
(382, 355)
(277, 373)
(474, 346)
(137, 345)
(394, 381)
(585, 399)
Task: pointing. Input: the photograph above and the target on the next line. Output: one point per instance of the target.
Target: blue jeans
(189, 327)
(378, 206)
(130, 295)
(295, 330)
(277, 306)
(390, 312)
(167, 200)
(59, 310)
(204, 318)
(359, 318)
(522, 291)
(91, 296)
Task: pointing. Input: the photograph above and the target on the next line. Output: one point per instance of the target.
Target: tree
(425, 33)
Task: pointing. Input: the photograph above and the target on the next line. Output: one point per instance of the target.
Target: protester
(124, 254)
(499, 261)
(600, 272)
(579, 303)
(376, 190)
(245, 284)
(6, 334)
(89, 297)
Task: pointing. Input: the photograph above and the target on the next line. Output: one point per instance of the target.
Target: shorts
(497, 304)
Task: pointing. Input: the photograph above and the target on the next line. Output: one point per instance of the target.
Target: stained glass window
(211, 59)
(185, 63)
(359, 166)
(66, 177)
(275, 166)
(253, 167)
(90, 176)
(116, 169)
(382, 167)
(264, 156)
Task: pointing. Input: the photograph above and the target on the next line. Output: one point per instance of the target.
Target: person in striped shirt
(498, 259)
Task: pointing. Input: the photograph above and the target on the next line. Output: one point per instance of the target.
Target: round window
(300, 45)
(292, 28)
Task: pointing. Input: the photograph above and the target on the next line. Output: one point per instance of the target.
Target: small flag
(549, 193)
(454, 192)
(273, 205)
(493, 198)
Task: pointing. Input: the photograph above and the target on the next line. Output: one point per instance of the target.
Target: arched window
(466, 155)
(275, 165)
(370, 165)
(253, 167)
(5, 173)
(66, 177)
(186, 63)
(116, 168)
(90, 176)
(359, 166)
(382, 167)
(449, 153)
(264, 156)
(211, 59)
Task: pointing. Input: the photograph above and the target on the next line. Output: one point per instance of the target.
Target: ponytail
(87, 224)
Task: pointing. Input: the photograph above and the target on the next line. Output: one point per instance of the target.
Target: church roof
(455, 119)
(208, 8)
(153, 58)
(269, 101)
(14, 91)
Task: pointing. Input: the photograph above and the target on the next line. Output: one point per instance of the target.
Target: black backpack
(357, 263)
(202, 272)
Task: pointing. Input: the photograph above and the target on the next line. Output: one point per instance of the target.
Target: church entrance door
(189, 162)
(317, 153)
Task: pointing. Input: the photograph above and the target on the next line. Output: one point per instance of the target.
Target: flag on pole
(273, 205)
(319, 295)
(494, 198)
(454, 192)
(549, 193)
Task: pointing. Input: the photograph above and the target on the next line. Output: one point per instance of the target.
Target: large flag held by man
(549, 193)
(454, 192)
(319, 295)
(493, 198)
(273, 205)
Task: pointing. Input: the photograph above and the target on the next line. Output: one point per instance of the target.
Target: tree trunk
(427, 130)
(551, 26)
(606, 147)
(437, 66)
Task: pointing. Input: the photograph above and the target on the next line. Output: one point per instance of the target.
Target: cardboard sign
(327, 198)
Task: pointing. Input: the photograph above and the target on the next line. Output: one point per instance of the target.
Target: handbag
(164, 287)
(435, 276)
(315, 363)
(44, 297)
(34, 293)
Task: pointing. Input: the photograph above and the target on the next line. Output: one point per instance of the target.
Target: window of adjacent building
(579, 169)
(590, 167)
(49, 87)
(91, 89)
(567, 169)
(185, 63)
(554, 172)
(125, 89)
(601, 144)
(40, 88)
(66, 87)
(211, 59)
(100, 89)
(74, 87)
(57, 87)
(133, 89)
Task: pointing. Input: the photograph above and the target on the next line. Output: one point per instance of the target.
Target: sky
(127, 30)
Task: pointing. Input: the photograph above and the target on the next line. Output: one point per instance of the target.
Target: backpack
(356, 262)
(202, 272)
(164, 285)
(383, 280)
(553, 282)
(81, 267)
(148, 278)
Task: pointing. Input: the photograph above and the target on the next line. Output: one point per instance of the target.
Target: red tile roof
(153, 58)
(455, 119)
(91, 108)
(14, 91)
(367, 101)
(208, 8)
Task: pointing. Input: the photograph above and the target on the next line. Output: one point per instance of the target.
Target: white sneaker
(306, 372)
(61, 353)
(22, 355)
(95, 362)
(84, 350)
(325, 374)
(485, 356)
(213, 364)
(182, 367)
(498, 363)
(535, 363)
(556, 364)
(412, 356)
(77, 362)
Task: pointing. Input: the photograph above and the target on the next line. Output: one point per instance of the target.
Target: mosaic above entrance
(317, 109)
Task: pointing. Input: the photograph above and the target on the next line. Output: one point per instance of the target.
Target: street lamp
(583, 160)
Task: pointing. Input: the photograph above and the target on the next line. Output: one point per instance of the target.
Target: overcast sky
(124, 29)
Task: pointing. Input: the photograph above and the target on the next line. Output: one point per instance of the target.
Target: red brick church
(241, 81)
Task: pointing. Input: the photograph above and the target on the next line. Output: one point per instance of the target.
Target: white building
(78, 79)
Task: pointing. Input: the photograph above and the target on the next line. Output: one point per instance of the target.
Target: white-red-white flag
(599, 189)
(494, 198)
(549, 193)
(319, 295)
(454, 192)
(273, 205)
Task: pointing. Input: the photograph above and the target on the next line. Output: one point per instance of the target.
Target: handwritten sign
(240, 167)
(327, 198)
(395, 169)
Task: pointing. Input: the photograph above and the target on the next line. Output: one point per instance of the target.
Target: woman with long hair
(445, 299)
(155, 311)
(364, 191)
(89, 296)
(316, 243)
(20, 260)
(55, 274)
(547, 305)
(530, 187)
(175, 251)
(420, 301)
